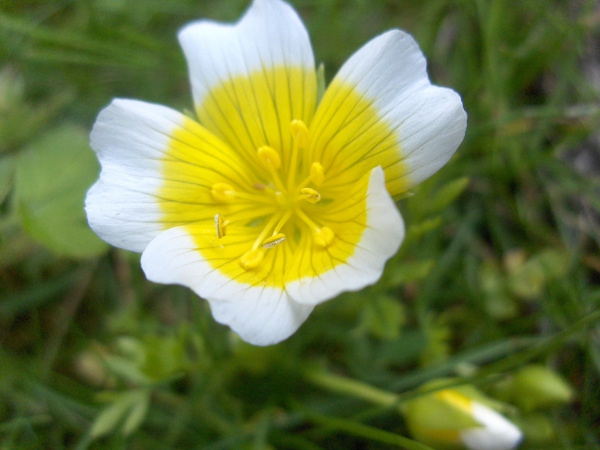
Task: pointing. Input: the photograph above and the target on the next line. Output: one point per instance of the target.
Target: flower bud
(456, 418)
(536, 386)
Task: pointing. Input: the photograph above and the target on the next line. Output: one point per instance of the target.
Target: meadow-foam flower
(458, 418)
(265, 203)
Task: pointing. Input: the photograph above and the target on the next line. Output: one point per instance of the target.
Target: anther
(269, 157)
(317, 173)
(252, 258)
(310, 195)
(221, 225)
(222, 192)
(300, 133)
(274, 240)
(324, 236)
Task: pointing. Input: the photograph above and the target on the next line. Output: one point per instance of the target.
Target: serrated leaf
(52, 177)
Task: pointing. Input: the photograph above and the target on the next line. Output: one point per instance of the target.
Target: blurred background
(496, 287)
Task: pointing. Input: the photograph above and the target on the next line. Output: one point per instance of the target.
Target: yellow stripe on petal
(350, 136)
(202, 176)
(256, 110)
(233, 257)
(457, 400)
(360, 232)
(330, 233)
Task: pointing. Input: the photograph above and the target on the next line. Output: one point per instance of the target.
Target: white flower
(268, 204)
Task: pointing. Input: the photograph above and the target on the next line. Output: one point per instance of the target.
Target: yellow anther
(310, 195)
(300, 133)
(269, 157)
(221, 225)
(317, 173)
(252, 258)
(222, 192)
(324, 236)
(273, 240)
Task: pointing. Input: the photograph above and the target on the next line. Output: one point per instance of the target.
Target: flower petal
(243, 76)
(158, 167)
(260, 315)
(497, 432)
(381, 109)
(367, 234)
(130, 138)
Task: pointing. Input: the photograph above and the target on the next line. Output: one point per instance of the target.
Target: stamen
(221, 225)
(265, 231)
(282, 221)
(273, 240)
(269, 157)
(317, 173)
(310, 195)
(301, 138)
(300, 133)
(324, 237)
(223, 192)
(252, 258)
(271, 160)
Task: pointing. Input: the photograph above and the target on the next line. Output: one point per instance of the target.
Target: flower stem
(352, 388)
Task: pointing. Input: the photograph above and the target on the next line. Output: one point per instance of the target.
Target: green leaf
(129, 407)
(110, 416)
(127, 369)
(138, 412)
(52, 177)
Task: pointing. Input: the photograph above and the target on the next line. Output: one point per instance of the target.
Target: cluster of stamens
(288, 196)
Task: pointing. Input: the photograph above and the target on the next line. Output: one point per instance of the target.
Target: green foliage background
(500, 267)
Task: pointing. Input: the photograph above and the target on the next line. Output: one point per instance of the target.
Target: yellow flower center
(286, 192)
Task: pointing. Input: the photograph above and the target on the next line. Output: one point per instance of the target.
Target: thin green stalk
(352, 388)
(367, 432)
